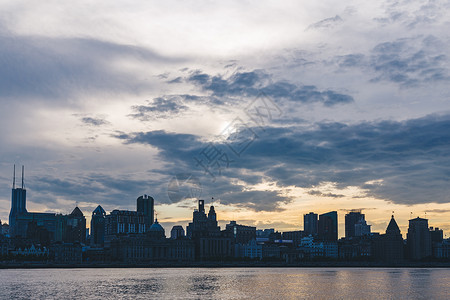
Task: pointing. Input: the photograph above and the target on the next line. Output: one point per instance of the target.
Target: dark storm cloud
(411, 159)
(58, 68)
(252, 83)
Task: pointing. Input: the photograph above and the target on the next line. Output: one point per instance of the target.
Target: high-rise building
(310, 224)
(145, 205)
(355, 224)
(18, 202)
(418, 239)
(75, 227)
(350, 220)
(98, 227)
(20, 218)
(328, 227)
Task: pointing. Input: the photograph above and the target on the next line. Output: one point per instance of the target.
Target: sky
(267, 110)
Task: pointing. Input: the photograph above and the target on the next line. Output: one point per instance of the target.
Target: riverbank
(337, 264)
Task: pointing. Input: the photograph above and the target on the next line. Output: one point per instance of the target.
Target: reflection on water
(238, 283)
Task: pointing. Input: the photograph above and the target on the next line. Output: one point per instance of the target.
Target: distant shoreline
(31, 265)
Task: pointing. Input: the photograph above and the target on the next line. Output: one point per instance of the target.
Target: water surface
(227, 283)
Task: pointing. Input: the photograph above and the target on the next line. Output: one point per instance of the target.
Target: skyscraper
(355, 224)
(18, 202)
(310, 224)
(328, 226)
(76, 227)
(418, 239)
(145, 205)
(98, 226)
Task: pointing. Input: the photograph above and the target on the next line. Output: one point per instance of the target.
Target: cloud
(62, 68)
(252, 83)
(319, 193)
(94, 121)
(160, 107)
(404, 162)
(96, 188)
(408, 62)
(326, 23)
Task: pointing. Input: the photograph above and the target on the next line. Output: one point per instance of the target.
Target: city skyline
(19, 204)
(273, 110)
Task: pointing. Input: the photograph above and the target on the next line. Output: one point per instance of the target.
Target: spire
(392, 227)
(23, 172)
(14, 177)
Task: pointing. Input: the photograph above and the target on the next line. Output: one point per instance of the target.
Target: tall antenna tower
(23, 172)
(14, 177)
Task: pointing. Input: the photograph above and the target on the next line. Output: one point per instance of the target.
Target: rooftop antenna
(14, 177)
(410, 215)
(23, 171)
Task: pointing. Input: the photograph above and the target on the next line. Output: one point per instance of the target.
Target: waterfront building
(98, 227)
(177, 232)
(362, 228)
(328, 227)
(122, 222)
(355, 224)
(310, 225)
(66, 253)
(145, 205)
(75, 227)
(437, 237)
(389, 246)
(209, 241)
(294, 236)
(418, 239)
(252, 249)
(151, 246)
(264, 233)
(240, 234)
(358, 247)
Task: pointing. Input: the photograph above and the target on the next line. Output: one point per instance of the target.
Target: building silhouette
(120, 222)
(328, 227)
(98, 227)
(145, 205)
(240, 234)
(75, 227)
(18, 202)
(351, 219)
(177, 232)
(389, 246)
(355, 224)
(418, 239)
(209, 241)
(310, 224)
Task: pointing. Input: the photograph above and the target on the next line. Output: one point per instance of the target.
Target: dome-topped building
(156, 230)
